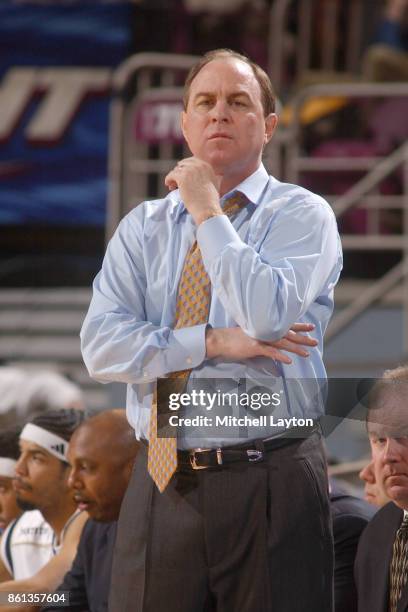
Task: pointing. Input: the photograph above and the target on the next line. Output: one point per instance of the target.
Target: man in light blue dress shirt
(234, 534)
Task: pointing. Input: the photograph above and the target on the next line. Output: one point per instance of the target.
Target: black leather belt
(253, 452)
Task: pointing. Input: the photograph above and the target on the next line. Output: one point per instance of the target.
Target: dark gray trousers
(247, 538)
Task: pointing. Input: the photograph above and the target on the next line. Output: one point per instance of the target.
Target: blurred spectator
(11, 382)
(9, 453)
(387, 58)
(25, 393)
(43, 390)
(48, 534)
(101, 453)
(374, 491)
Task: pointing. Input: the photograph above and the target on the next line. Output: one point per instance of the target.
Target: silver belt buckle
(193, 458)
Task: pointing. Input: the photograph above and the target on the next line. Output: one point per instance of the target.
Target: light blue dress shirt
(275, 263)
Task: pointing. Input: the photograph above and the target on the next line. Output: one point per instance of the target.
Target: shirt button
(189, 360)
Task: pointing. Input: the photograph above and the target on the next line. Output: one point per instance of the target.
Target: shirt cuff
(187, 347)
(213, 235)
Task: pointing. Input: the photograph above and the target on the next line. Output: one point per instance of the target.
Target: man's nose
(391, 451)
(220, 111)
(21, 466)
(73, 481)
(366, 475)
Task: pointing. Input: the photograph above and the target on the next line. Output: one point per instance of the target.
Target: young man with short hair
(38, 548)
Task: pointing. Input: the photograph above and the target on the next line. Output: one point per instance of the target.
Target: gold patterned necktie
(399, 565)
(192, 308)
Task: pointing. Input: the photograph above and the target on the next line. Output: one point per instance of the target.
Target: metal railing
(137, 169)
(317, 49)
(359, 195)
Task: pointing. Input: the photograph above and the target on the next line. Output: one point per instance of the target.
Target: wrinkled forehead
(231, 73)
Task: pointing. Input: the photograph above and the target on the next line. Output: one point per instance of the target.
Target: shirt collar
(252, 187)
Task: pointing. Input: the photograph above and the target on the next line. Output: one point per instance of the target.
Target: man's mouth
(20, 486)
(219, 135)
(395, 478)
(82, 504)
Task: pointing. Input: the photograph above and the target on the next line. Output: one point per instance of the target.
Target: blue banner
(56, 61)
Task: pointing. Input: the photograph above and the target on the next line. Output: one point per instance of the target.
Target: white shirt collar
(253, 186)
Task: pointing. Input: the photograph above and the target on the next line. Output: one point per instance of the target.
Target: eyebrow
(209, 94)
(81, 459)
(32, 451)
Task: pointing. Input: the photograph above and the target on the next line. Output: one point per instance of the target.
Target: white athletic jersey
(26, 545)
(29, 543)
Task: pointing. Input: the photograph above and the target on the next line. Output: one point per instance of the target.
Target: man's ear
(271, 121)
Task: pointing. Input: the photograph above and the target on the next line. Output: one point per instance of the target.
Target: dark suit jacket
(373, 561)
(88, 580)
(350, 516)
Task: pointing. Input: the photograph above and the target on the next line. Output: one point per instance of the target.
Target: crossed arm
(264, 292)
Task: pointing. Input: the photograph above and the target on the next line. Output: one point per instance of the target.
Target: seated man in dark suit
(381, 568)
(101, 454)
(350, 516)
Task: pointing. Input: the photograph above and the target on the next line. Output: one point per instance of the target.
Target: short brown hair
(267, 93)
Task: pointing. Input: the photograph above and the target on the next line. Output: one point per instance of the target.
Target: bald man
(101, 454)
